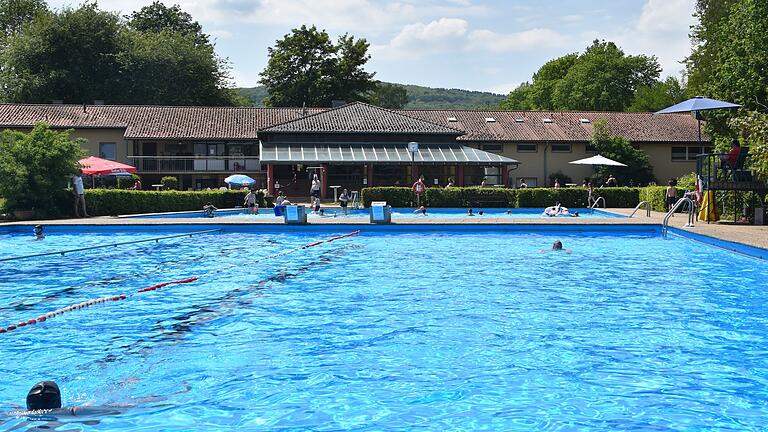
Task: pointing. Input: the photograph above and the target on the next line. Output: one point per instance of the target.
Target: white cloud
(661, 30)
(665, 16)
(419, 39)
(515, 42)
(572, 18)
(504, 88)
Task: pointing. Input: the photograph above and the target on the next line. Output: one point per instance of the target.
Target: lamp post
(413, 147)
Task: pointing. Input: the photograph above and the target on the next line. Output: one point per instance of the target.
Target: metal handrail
(647, 209)
(597, 200)
(678, 204)
(155, 239)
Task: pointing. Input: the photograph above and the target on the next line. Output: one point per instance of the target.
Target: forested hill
(418, 97)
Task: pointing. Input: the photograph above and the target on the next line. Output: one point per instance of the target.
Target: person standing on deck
(79, 193)
(314, 190)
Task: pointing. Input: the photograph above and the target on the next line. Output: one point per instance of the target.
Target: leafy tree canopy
(658, 95)
(390, 96)
(638, 171)
(729, 59)
(80, 55)
(35, 165)
(603, 78)
(158, 17)
(307, 68)
(15, 13)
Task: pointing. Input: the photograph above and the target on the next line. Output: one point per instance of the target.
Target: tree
(638, 170)
(199, 76)
(658, 95)
(729, 58)
(83, 55)
(35, 165)
(390, 96)
(71, 55)
(15, 13)
(603, 78)
(157, 18)
(518, 99)
(305, 67)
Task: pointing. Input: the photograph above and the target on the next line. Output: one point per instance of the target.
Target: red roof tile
(169, 122)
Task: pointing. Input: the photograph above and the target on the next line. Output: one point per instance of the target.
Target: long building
(358, 145)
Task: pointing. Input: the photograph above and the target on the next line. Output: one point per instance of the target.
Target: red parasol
(98, 166)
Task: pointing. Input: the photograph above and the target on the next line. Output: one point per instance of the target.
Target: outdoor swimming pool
(397, 213)
(396, 328)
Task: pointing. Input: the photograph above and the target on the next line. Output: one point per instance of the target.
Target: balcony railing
(194, 164)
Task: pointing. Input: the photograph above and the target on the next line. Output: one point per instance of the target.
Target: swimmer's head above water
(44, 395)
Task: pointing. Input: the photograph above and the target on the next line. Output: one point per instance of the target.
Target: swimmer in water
(39, 235)
(557, 246)
(469, 212)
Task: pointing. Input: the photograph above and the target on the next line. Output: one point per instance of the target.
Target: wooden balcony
(194, 164)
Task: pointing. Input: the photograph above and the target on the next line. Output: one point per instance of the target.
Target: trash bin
(381, 212)
(295, 214)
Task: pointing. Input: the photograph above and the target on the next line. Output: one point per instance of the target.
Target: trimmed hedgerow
(501, 197)
(656, 196)
(109, 202)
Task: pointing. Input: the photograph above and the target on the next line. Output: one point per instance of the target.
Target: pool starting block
(381, 213)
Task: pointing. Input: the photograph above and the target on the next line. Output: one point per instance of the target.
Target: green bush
(109, 202)
(169, 183)
(500, 197)
(545, 197)
(470, 197)
(656, 196)
(618, 197)
(394, 196)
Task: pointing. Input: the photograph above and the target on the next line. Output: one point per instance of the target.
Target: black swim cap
(44, 395)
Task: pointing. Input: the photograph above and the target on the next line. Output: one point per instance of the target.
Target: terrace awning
(452, 154)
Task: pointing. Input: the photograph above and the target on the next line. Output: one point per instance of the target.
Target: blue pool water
(392, 330)
(396, 213)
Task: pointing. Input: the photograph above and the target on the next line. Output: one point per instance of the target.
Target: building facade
(358, 145)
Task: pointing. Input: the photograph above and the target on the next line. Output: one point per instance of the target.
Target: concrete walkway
(751, 235)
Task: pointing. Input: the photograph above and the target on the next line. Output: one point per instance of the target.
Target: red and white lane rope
(87, 303)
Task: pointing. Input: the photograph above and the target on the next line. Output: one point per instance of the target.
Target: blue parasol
(239, 180)
(696, 104)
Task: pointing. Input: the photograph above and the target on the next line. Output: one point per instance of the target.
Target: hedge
(656, 196)
(109, 202)
(501, 197)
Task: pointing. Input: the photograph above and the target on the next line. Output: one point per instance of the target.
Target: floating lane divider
(154, 239)
(87, 303)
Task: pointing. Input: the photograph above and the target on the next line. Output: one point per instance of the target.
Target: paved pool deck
(751, 235)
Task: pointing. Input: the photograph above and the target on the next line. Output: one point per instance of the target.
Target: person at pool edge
(39, 235)
(79, 194)
(344, 201)
(250, 202)
(209, 210)
(422, 210)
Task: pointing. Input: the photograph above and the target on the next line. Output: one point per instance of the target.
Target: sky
(481, 45)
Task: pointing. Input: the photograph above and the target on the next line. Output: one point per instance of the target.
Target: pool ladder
(678, 204)
(647, 208)
(597, 201)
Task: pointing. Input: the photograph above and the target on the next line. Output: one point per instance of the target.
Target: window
(519, 120)
(561, 148)
(688, 153)
(591, 148)
(547, 120)
(108, 151)
(452, 119)
(527, 148)
(493, 148)
(490, 120)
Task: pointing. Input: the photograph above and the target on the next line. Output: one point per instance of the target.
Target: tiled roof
(154, 122)
(360, 117)
(565, 126)
(159, 122)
